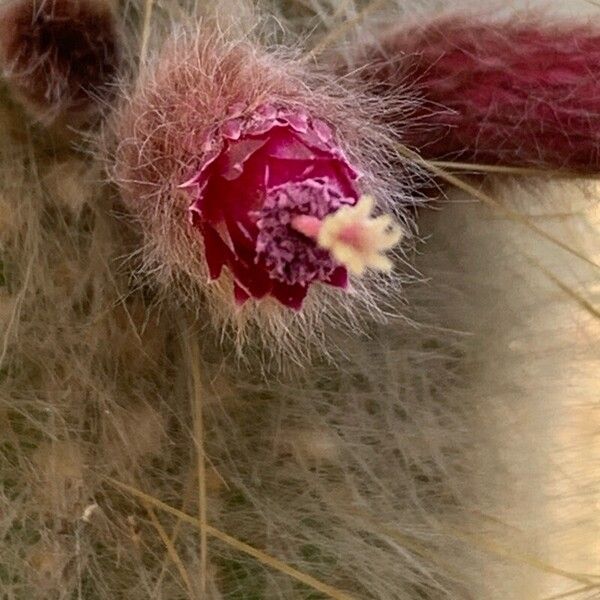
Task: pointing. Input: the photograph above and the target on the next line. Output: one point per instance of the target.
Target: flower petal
(231, 162)
(216, 252)
(339, 278)
(291, 296)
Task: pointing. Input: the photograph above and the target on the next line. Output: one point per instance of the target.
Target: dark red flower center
(258, 172)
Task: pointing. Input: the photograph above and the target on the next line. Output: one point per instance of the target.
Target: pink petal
(291, 296)
(267, 111)
(254, 279)
(216, 252)
(298, 122)
(260, 127)
(231, 162)
(285, 144)
(232, 129)
(339, 278)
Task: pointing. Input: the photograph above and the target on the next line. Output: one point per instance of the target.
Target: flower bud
(58, 55)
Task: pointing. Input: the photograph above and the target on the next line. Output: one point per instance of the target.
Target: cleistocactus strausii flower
(256, 173)
(218, 150)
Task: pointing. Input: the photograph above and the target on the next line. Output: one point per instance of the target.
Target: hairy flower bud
(216, 150)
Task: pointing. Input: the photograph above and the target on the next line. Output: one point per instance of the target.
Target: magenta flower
(256, 174)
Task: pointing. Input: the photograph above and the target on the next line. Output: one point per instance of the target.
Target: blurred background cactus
(60, 56)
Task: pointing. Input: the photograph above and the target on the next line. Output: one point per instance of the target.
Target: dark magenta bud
(59, 55)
